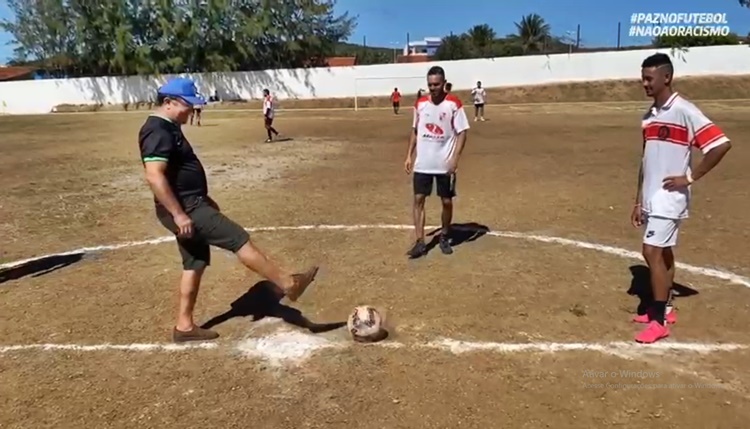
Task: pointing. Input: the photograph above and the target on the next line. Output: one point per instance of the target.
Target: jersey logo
(434, 129)
(442, 116)
(663, 133)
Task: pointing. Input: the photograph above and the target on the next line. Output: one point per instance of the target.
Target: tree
(453, 48)
(481, 39)
(533, 33)
(81, 37)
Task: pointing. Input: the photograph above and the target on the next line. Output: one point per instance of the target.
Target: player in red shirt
(435, 145)
(396, 100)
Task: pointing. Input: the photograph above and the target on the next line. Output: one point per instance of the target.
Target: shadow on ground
(640, 286)
(460, 233)
(39, 267)
(264, 300)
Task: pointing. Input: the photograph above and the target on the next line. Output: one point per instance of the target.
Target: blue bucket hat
(182, 88)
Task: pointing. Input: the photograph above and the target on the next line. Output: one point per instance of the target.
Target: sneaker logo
(650, 234)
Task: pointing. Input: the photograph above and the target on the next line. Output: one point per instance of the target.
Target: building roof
(341, 61)
(8, 73)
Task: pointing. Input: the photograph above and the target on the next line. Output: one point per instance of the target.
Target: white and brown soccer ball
(366, 325)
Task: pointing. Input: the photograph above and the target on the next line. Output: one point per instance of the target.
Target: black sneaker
(445, 245)
(419, 249)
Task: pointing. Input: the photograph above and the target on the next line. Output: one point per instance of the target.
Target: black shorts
(210, 228)
(396, 104)
(478, 105)
(445, 184)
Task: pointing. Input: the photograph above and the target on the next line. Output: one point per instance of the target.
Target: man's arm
(156, 148)
(711, 159)
(461, 127)
(639, 188)
(157, 179)
(712, 142)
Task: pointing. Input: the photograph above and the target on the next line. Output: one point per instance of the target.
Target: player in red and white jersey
(268, 114)
(672, 127)
(435, 145)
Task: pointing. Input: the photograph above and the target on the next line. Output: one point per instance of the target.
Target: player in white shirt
(479, 95)
(672, 127)
(435, 145)
(268, 114)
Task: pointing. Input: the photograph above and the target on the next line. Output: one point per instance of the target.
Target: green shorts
(210, 228)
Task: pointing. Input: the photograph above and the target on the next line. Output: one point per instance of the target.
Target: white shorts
(660, 231)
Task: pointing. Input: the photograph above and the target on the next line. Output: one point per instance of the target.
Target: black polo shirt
(162, 140)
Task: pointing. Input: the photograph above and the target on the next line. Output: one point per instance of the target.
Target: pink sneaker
(643, 318)
(654, 332)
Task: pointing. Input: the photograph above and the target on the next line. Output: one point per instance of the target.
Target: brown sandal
(195, 334)
(301, 282)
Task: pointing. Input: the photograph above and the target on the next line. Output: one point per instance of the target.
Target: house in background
(427, 47)
(9, 73)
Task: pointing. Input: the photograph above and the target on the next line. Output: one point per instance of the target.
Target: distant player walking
(396, 100)
(479, 96)
(183, 206)
(671, 128)
(268, 114)
(435, 146)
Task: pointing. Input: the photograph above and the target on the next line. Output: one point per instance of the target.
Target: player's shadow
(460, 233)
(263, 300)
(282, 140)
(640, 286)
(39, 267)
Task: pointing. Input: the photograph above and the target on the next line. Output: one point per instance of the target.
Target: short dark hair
(658, 60)
(436, 70)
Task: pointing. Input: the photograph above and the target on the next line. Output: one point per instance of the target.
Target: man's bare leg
(185, 329)
(291, 285)
(189, 286)
(660, 280)
(447, 219)
(418, 211)
(669, 262)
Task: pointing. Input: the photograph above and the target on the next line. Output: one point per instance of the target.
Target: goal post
(382, 86)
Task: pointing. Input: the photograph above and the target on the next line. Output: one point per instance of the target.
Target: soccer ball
(366, 325)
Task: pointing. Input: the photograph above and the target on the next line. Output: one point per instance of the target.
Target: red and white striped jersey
(669, 134)
(268, 107)
(437, 128)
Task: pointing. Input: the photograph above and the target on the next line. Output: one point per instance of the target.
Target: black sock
(269, 134)
(659, 311)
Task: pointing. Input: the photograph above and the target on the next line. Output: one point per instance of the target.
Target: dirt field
(84, 338)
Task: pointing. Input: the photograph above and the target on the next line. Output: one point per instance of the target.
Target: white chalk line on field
(611, 250)
(293, 347)
(284, 347)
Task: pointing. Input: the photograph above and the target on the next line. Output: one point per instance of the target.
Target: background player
(396, 100)
(268, 114)
(479, 96)
(671, 128)
(435, 145)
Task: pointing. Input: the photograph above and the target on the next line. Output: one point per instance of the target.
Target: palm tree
(533, 32)
(452, 48)
(481, 39)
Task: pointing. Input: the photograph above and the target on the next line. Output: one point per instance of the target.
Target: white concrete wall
(40, 96)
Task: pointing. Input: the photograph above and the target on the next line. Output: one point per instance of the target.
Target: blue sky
(386, 22)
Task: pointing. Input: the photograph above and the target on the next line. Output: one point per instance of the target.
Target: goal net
(366, 88)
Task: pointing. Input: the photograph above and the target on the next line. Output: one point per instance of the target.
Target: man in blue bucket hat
(180, 187)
